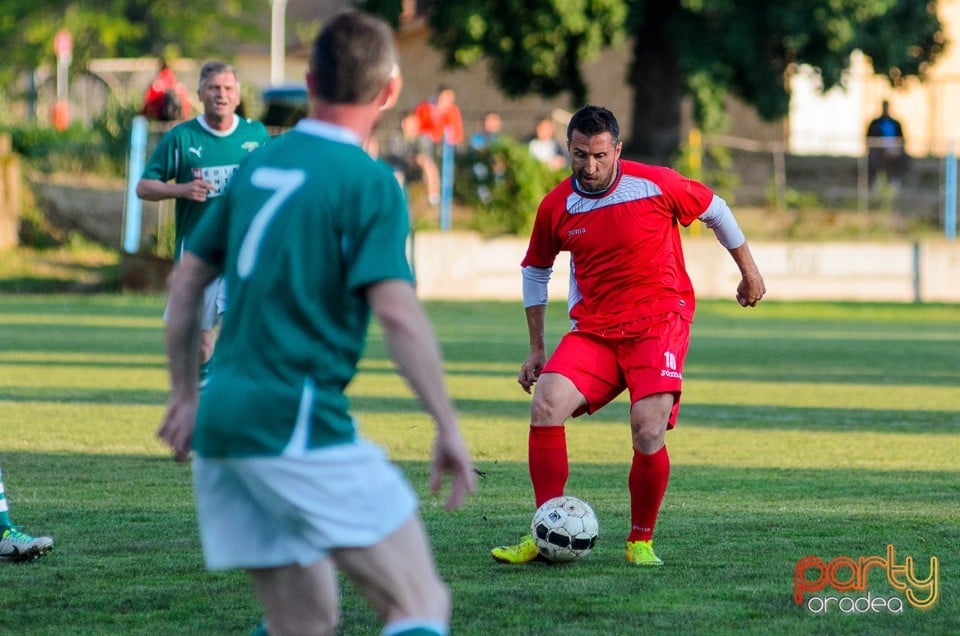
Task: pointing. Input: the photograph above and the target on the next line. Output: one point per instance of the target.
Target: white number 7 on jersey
(283, 183)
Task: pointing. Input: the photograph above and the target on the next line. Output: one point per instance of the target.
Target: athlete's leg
(298, 600)
(208, 339)
(654, 370)
(213, 299)
(399, 579)
(4, 507)
(16, 545)
(209, 320)
(580, 376)
(650, 470)
(431, 176)
(554, 400)
(649, 473)
(649, 417)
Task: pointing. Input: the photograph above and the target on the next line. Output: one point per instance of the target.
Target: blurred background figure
(885, 148)
(485, 166)
(406, 149)
(490, 130)
(544, 145)
(439, 120)
(166, 98)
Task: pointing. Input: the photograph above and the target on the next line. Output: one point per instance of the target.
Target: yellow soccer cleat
(641, 553)
(524, 552)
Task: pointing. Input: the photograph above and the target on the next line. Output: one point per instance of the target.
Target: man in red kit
(631, 304)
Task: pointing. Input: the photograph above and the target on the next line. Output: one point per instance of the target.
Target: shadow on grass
(98, 339)
(90, 280)
(730, 538)
(60, 395)
(126, 305)
(127, 556)
(818, 419)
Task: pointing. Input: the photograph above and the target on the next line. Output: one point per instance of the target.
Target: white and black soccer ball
(564, 529)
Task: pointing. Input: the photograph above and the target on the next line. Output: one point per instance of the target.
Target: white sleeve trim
(720, 219)
(535, 280)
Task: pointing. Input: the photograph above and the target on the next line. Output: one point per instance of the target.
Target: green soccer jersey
(308, 223)
(194, 149)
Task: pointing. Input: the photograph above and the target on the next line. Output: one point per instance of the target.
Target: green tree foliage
(702, 48)
(532, 46)
(504, 185)
(749, 46)
(390, 10)
(121, 28)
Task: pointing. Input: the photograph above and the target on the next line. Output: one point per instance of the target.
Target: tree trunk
(657, 81)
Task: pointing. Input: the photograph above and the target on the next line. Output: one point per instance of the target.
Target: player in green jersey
(310, 238)
(193, 163)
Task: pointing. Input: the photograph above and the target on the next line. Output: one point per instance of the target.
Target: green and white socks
(4, 508)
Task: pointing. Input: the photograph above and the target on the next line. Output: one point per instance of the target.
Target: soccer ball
(564, 529)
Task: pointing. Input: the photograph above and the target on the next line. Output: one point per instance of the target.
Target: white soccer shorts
(214, 301)
(275, 511)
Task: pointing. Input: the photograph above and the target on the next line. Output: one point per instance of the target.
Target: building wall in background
(466, 266)
(835, 123)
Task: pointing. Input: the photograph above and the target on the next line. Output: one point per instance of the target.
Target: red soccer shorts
(645, 357)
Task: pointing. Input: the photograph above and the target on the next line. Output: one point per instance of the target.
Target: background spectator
(885, 151)
(486, 167)
(490, 130)
(438, 120)
(166, 99)
(544, 145)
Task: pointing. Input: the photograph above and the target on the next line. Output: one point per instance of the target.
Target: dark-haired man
(631, 304)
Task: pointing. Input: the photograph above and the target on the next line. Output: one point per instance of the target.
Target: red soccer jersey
(625, 252)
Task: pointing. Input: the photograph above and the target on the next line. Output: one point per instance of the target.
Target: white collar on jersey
(219, 133)
(327, 130)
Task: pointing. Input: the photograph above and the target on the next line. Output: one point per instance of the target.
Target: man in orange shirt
(441, 115)
(439, 120)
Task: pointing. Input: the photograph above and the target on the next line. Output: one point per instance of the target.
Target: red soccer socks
(547, 460)
(647, 482)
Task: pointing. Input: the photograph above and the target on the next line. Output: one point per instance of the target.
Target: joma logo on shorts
(670, 362)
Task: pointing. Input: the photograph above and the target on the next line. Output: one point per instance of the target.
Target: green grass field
(830, 430)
